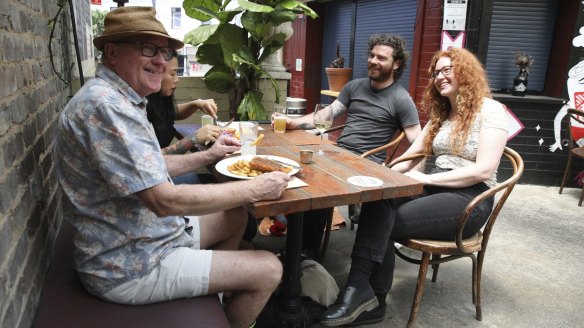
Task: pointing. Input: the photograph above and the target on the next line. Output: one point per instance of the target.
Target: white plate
(221, 167)
(364, 181)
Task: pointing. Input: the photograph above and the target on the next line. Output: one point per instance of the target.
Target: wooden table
(327, 187)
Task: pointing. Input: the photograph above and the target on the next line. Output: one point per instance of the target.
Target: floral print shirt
(106, 151)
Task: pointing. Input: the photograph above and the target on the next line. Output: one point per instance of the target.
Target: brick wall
(31, 98)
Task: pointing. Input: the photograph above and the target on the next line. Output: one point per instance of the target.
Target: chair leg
(419, 289)
(581, 196)
(327, 236)
(566, 172)
(477, 273)
(435, 267)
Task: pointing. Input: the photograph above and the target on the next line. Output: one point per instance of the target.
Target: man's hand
(224, 145)
(269, 186)
(208, 133)
(288, 120)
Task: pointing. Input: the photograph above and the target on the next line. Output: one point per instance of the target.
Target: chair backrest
(576, 132)
(390, 147)
(505, 187)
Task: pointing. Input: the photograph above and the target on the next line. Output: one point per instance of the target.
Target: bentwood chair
(574, 150)
(354, 209)
(433, 250)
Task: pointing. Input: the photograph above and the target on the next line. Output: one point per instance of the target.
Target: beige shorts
(183, 273)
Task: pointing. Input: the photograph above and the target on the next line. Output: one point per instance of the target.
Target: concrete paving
(533, 275)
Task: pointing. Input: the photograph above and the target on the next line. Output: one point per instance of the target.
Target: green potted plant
(337, 74)
(236, 49)
(523, 60)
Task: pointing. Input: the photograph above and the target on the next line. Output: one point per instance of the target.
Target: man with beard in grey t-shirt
(376, 106)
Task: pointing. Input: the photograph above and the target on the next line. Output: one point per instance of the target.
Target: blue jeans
(432, 215)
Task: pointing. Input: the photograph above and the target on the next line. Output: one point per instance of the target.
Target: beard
(379, 74)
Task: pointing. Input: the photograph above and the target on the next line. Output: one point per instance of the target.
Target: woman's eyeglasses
(446, 70)
(150, 50)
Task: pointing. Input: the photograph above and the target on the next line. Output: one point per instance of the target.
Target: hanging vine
(53, 25)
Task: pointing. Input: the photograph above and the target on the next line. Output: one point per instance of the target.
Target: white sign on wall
(454, 15)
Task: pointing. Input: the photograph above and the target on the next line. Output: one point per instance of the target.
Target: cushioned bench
(65, 303)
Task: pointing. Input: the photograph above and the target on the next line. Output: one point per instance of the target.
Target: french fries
(257, 141)
(242, 168)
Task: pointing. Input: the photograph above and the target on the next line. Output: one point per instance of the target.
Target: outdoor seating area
(529, 276)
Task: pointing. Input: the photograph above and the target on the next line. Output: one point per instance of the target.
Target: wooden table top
(326, 176)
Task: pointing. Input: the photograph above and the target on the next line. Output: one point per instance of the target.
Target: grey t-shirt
(374, 115)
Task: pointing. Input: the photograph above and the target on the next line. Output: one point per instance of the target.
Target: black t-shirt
(162, 114)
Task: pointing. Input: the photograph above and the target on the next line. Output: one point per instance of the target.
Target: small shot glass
(306, 156)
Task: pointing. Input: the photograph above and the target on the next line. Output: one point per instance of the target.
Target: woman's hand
(207, 106)
(417, 175)
(207, 133)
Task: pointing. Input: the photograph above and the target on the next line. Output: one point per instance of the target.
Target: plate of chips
(241, 167)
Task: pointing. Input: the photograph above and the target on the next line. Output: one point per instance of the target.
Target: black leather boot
(348, 306)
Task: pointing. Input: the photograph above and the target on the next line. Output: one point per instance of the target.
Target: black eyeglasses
(151, 50)
(446, 70)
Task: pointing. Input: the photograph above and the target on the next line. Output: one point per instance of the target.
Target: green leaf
(231, 39)
(272, 45)
(200, 34)
(219, 81)
(210, 54)
(201, 9)
(251, 6)
(278, 17)
(251, 106)
(307, 11)
(227, 16)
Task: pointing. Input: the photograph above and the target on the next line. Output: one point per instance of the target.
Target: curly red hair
(474, 87)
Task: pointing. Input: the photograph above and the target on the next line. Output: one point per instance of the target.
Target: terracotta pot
(338, 77)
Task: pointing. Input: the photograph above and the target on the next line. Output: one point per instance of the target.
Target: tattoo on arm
(304, 126)
(180, 147)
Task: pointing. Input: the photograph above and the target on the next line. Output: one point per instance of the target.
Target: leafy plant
(97, 24)
(338, 62)
(236, 48)
(522, 59)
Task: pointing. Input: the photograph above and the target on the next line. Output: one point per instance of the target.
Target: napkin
(294, 182)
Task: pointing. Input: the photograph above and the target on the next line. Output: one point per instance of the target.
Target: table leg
(290, 309)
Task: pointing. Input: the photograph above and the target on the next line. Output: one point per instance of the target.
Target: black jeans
(313, 226)
(432, 215)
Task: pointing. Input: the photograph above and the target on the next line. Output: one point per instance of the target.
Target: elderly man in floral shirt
(133, 245)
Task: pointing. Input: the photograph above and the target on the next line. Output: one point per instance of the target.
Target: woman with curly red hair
(466, 135)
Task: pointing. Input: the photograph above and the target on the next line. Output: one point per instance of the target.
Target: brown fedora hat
(132, 21)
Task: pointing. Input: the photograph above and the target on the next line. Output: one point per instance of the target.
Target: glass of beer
(280, 119)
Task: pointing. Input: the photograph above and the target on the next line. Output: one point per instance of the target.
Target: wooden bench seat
(65, 303)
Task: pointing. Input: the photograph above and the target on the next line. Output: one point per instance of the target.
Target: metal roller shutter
(383, 16)
(337, 27)
(372, 16)
(526, 26)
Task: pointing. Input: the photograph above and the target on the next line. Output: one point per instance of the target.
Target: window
(176, 16)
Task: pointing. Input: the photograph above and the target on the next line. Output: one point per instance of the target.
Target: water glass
(248, 133)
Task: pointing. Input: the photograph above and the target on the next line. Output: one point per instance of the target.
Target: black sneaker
(368, 317)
